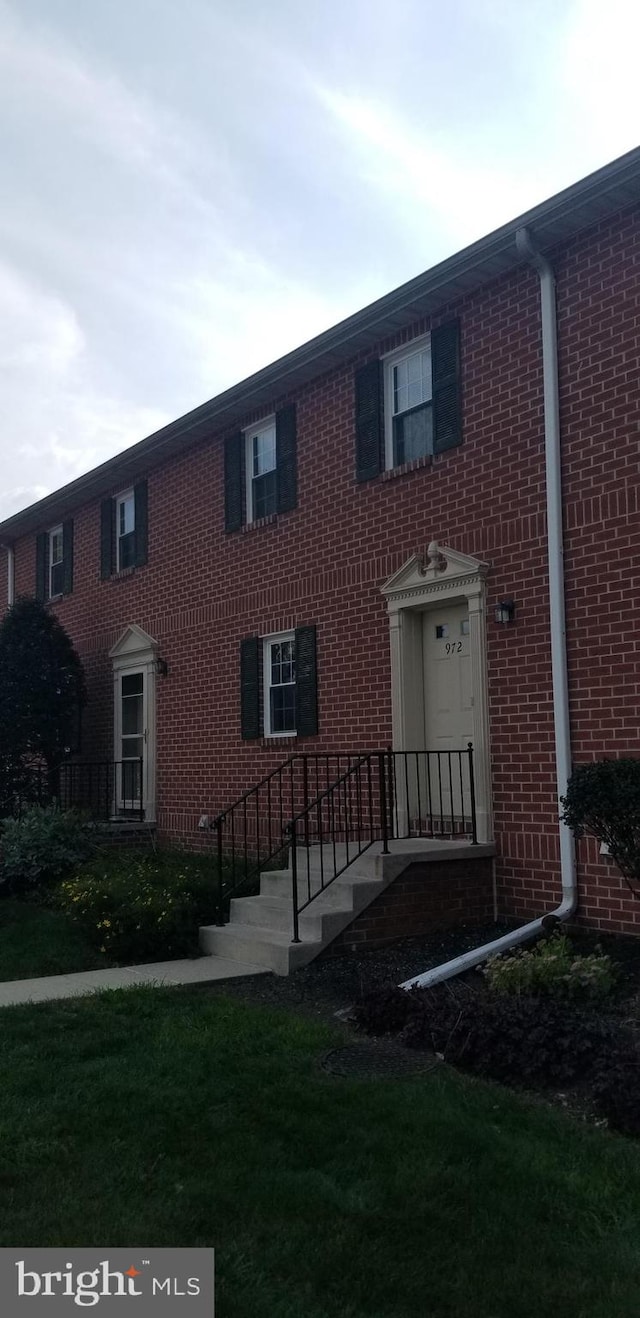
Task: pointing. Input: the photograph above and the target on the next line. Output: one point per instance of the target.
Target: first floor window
(278, 685)
(125, 530)
(279, 662)
(56, 562)
(262, 490)
(408, 404)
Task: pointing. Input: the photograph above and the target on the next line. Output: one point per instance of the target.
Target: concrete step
(335, 893)
(322, 922)
(258, 946)
(260, 928)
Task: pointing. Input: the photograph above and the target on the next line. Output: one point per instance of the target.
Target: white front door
(448, 706)
(447, 679)
(132, 733)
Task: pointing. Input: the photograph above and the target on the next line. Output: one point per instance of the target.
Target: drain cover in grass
(377, 1058)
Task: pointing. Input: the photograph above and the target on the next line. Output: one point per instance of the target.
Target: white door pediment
(442, 572)
(133, 643)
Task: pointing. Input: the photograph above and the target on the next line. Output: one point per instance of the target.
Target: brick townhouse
(349, 551)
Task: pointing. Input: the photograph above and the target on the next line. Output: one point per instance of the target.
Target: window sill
(260, 522)
(269, 740)
(123, 573)
(55, 599)
(415, 465)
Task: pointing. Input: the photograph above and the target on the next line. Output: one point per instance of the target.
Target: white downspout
(557, 628)
(11, 574)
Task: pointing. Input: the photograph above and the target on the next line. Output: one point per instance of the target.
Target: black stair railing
(319, 812)
(383, 795)
(102, 789)
(252, 832)
(338, 827)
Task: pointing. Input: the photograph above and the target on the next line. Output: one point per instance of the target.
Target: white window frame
(55, 531)
(250, 433)
(390, 360)
(267, 642)
(119, 500)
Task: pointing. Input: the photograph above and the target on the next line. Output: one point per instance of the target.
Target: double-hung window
(408, 404)
(260, 470)
(124, 528)
(56, 562)
(279, 669)
(125, 531)
(279, 685)
(260, 466)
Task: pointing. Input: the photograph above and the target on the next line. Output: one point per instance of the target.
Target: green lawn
(35, 941)
(163, 1117)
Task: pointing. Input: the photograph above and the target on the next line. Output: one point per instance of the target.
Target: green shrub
(603, 798)
(553, 968)
(42, 846)
(142, 906)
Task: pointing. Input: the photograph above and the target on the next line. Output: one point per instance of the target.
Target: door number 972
(453, 647)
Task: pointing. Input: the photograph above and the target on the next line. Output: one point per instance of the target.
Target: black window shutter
(286, 462)
(369, 418)
(306, 682)
(233, 472)
(141, 521)
(42, 563)
(107, 537)
(250, 688)
(447, 401)
(67, 557)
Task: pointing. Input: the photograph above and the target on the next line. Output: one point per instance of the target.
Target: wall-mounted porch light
(505, 611)
(161, 668)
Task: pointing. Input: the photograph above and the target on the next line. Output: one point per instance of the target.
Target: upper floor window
(54, 562)
(408, 404)
(125, 531)
(260, 470)
(260, 467)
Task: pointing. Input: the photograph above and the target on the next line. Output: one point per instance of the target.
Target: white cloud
(425, 178)
(37, 331)
(57, 422)
(597, 72)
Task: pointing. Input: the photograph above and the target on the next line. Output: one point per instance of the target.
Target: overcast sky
(191, 188)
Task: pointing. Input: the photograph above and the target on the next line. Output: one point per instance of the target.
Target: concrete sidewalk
(200, 970)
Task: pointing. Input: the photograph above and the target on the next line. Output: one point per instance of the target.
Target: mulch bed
(331, 984)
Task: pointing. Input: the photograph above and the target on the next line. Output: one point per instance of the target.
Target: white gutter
(11, 574)
(557, 627)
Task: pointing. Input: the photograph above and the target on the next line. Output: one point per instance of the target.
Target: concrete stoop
(260, 928)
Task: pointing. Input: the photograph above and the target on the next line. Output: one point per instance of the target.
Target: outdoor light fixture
(161, 668)
(505, 611)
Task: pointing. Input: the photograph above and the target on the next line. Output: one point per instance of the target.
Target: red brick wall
(421, 899)
(324, 563)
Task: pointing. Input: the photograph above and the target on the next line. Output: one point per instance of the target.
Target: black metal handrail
(251, 833)
(103, 789)
(350, 814)
(433, 794)
(345, 800)
(406, 794)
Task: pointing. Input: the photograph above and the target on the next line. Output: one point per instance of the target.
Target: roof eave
(554, 221)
